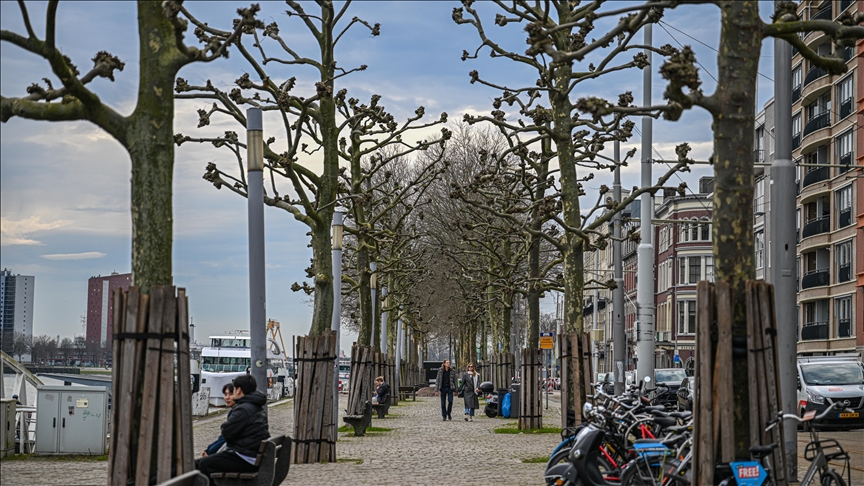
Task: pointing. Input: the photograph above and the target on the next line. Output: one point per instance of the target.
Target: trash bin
(514, 400)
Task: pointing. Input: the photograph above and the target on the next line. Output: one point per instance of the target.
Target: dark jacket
(246, 427)
(469, 385)
(439, 386)
(383, 392)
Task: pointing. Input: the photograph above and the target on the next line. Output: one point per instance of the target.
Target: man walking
(243, 432)
(445, 383)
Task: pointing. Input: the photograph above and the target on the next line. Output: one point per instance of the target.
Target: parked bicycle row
(633, 439)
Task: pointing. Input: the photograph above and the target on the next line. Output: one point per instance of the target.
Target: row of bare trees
(459, 226)
(47, 350)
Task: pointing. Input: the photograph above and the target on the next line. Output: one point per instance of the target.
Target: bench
(382, 408)
(273, 461)
(191, 478)
(408, 391)
(360, 422)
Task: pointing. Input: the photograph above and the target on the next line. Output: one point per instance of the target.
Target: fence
(574, 354)
(361, 386)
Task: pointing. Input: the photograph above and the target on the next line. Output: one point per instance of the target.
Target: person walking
(445, 385)
(470, 390)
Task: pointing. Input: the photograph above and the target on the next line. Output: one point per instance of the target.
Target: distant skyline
(64, 192)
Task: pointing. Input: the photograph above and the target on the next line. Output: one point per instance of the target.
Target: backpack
(505, 406)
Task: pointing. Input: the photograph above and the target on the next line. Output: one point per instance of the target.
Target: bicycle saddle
(681, 415)
(761, 451)
(677, 429)
(654, 408)
(665, 421)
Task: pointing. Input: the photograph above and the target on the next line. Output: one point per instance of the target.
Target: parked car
(685, 394)
(827, 379)
(667, 382)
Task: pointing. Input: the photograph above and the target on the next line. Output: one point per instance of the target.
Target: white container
(71, 419)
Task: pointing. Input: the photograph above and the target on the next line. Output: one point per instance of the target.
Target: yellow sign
(547, 342)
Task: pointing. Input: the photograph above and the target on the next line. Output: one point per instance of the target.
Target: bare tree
(146, 134)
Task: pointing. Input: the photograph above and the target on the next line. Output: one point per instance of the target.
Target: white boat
(230, 356)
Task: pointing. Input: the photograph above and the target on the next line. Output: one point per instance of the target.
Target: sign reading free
(547, 340)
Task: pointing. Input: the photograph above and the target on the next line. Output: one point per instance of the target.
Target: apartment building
(825, 127)
(100, 305)
(16, 308)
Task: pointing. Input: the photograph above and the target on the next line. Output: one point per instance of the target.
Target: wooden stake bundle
(314, 426)
(152, 420)
(530, 410)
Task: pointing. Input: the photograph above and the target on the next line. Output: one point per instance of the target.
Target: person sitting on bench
(218, 445)
(243, 432)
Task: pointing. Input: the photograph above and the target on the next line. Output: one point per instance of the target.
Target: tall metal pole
(594, 351)
(255, 214)
(618, 338)
(384, 321)
(782, 244)
(645, 255)
(337, 305)
(399, 344)
(373, 284)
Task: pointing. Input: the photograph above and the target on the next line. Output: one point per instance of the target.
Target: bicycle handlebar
(787, 416)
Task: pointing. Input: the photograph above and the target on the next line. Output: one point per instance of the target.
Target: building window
(844, 150)
(760, 249)
(759, 196)
(686, 317)
(843, 257)
(796, 131)
(796, 84)
(695, 267)
(843, 316)
(709, 268)
(844, 97)
(844, 206)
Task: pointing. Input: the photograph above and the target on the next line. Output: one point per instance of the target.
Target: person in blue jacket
(216, 446)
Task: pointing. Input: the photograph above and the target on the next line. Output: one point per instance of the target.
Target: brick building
(100, 305)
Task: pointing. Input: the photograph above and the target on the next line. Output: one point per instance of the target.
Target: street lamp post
(373, 284)
(337, 305)
(255, 214)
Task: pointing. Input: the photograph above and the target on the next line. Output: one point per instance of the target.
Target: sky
(64, 187)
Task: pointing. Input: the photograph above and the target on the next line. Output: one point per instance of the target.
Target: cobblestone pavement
(420, 449)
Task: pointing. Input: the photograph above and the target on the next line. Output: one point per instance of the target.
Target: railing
(826, 13)
(815, 278)
(796, 93)
(816, 226)
(844, 328)
(759, 156)
(814, 330)
(845, 108)
(813, 74)
(815, 175)
(848, 52)
(845, 218)
(818, 122)
(796, 140)
(844, 273)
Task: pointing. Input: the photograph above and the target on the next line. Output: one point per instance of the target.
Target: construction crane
(275, 336)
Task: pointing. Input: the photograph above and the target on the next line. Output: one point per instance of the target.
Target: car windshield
(669, 376)
(833, 374)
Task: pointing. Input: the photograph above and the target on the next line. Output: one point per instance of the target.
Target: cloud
(14, 232)
(87, 255)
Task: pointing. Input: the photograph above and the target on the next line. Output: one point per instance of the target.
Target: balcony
(824, 14)
(816, 226)
(845, 218)
(796, 140)
(815, 175)
(796, 93)
(758, 156)
(844, 273)
(845, 108)
(844, 328)
(815, 278)
(814, 330)
(817, 122)
(813, 74)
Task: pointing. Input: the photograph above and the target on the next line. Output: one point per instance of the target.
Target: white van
(823, 380)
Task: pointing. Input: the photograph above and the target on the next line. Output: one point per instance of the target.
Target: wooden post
(704, 420)
(724, 425)
(564, 363)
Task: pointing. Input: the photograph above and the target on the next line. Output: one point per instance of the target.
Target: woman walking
(470, 384)
(445, 384)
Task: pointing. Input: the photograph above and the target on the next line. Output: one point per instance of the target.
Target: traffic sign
(547, 340)
(677, 359)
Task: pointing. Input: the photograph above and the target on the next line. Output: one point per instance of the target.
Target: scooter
(492, 399)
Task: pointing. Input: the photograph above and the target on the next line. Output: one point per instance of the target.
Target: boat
(229, 356)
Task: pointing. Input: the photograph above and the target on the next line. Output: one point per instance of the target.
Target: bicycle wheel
(558, 457)
(636, 473)
(831, 478)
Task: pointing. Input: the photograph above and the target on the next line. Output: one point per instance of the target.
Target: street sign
(677, 359)
(547, 340)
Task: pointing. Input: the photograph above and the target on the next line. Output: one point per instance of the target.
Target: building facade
(100, 305)
(16, 308)
(825, 129)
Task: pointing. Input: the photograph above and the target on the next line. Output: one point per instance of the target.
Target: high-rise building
(16, 308)
(100, 305)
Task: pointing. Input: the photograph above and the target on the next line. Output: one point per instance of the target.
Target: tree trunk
(738, 58)
(534, 277)
(322, 266)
